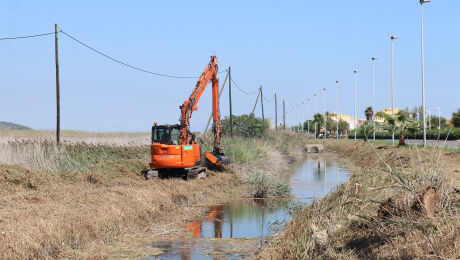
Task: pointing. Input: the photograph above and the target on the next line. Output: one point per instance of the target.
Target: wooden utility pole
(58, 102)
(276, 114)
(230, 99)
(262, 102)
(284, 117)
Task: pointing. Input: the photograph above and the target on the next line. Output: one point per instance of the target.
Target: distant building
(386, 111)
(348, 119)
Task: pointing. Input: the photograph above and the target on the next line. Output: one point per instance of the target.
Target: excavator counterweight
(174, 149)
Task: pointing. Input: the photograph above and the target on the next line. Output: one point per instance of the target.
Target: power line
(245, 92)
(103, 54)
(126, 64)
(268, 100)
(26, 36)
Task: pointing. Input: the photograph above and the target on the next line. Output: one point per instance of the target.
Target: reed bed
(75, 137)
(70, 157)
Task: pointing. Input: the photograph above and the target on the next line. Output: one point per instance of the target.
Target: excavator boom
(210, 73)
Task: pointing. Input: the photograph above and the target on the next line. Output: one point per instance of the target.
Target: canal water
(234, 230)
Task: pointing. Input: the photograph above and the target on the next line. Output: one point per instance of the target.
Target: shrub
(246, 126)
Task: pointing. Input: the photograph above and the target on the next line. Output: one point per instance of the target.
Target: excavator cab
(167, 152)
(166, 134)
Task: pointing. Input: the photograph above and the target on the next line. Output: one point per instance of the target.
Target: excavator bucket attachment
(217, 159)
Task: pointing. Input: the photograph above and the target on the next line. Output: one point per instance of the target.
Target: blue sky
(293, 48)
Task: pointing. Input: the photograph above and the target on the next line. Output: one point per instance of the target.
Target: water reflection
(258, 219)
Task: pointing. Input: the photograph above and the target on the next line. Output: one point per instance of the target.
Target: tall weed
(260, 186)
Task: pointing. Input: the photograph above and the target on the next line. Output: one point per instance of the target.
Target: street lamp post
(314, 95)
(337, 109)
(373, 96)
(439, 121)
(325, 119)
(355, 125)
(308, 116)
(423, 74)
(301, 117)
(392, 86)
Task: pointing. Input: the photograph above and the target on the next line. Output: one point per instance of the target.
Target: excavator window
(165, 135)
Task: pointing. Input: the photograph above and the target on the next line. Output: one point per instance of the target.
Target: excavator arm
(210, 73)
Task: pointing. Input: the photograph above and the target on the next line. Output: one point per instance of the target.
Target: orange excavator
(174, 149)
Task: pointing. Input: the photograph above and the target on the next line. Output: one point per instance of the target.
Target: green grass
(88, 155)
(254, 151)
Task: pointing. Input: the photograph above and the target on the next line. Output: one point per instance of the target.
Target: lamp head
(394, 37)
(375, 58)
(356, 71)
(424, 1)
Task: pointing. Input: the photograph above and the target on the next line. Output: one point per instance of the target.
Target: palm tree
(369, 112)
(318, 120)
(400, 123)
(365, 131)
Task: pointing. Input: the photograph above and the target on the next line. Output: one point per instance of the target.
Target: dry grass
(58, 215)
(82, 200)
(376, 214)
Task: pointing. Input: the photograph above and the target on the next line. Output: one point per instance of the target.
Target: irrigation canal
(234, 230)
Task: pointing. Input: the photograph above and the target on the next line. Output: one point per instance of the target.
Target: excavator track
(185, 173)
(195, 173)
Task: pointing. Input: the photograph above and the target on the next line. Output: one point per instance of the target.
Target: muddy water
(237, 229)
